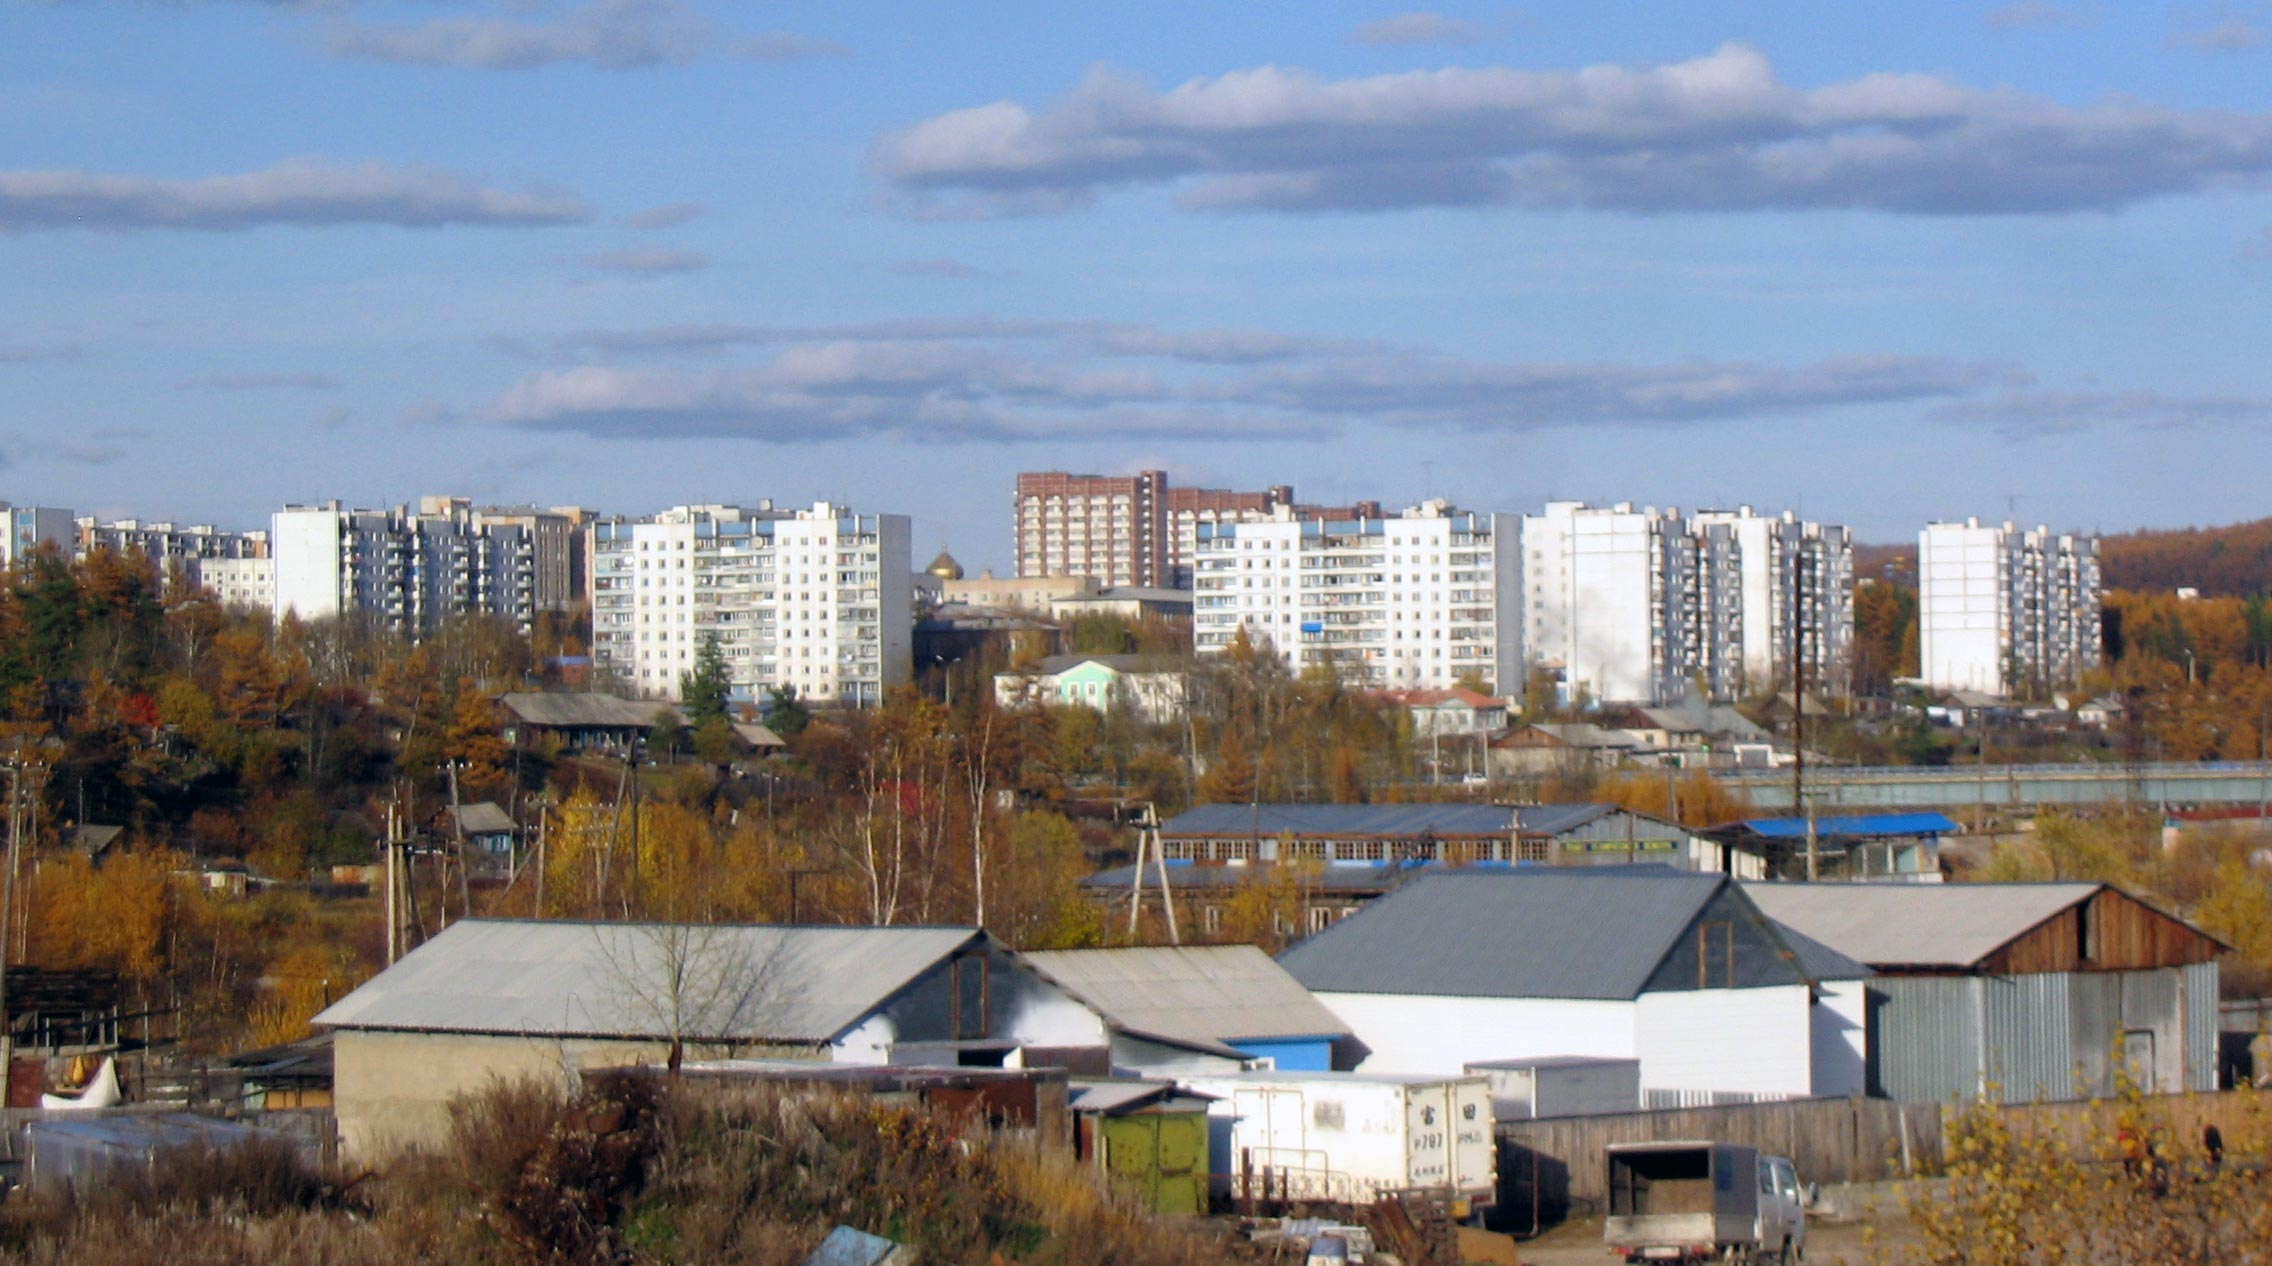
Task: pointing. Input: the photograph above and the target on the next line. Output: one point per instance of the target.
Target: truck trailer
(1350, 1138)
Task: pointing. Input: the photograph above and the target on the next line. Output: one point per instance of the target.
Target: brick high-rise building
(1135, 529)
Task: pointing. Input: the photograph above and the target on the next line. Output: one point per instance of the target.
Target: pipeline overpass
(1994, 788)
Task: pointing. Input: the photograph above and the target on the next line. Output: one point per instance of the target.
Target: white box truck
(1352, 1137)
(1696, 1202)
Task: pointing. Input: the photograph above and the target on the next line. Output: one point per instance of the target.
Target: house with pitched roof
(1678, 970)
(1197, 1009)
(501, 999)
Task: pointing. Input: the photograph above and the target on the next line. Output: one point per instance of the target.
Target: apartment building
(168, 545)
(554, 537)
(238, 583)
(2006, 611)
(814, 599)
(1421, 599)
(412, 570)
(1637, 605)
(25, 528)
(1137, 529)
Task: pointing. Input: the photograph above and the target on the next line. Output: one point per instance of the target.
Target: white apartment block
(813, 599)
(413, 571)
(1634, 605)
(1419, 600)
(2006, 611)
(167, 545)
(25, 528)
(238, 583)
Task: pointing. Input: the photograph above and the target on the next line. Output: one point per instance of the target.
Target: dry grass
(635, 1171)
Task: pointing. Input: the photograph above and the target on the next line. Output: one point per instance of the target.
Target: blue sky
(1879, 264)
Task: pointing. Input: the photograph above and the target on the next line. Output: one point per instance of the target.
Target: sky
(1881, 265)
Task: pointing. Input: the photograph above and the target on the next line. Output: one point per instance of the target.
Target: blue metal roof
(1861, 826)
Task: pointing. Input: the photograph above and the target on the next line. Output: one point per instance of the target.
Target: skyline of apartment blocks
(25, 528)
(1646, 606)
(820, 599)
(1421, 599)
(415, 570)
(2004, 611)
(166, 544)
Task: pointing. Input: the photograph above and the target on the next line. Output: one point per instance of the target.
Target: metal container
(1352, 1137)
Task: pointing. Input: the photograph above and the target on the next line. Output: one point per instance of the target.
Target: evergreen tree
(703, 690)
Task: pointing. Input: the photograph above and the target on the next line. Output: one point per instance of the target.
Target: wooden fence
(1552, 1168)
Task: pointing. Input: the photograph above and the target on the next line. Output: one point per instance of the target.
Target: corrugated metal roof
(1914, 925)
(582, 709)
(1343, 819)
(1819, 960)
(1227, 878)
(1577, 932)
(1211, 995)
(745, 983)
(1861, 826)
(483, 818)
(1554, 819)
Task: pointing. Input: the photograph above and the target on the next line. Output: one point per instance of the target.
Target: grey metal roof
(483, 818)
(583, 709)
(1817, 959)
(1914, 925)
(1554, 819)
(1208, 995)
(1343, 819)
(745, 982)
(1544, 932)
(1053, 665)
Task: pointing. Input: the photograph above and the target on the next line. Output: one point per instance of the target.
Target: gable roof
(482, 817)
(1202, 996)
(1915, 925)
(1544, 932)
(582, 709)
(1058, 665)
(1343, 819)
(552, 978)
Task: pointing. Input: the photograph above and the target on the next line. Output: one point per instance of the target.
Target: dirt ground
(1871, 1230)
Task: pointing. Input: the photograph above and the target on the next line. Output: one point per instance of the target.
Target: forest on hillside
(2231, 561)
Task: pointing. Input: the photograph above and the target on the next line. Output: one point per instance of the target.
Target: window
(2086, 934)
(1715, 954)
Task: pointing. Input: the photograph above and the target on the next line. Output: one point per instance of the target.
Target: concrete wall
(393, 1090)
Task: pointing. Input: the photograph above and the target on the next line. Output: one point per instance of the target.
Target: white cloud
(647, 261)
(297, 381)
(668, 216)
(1419, 28)
(2224, 37)
(301, 192)
(2033, 14)
(987, 380)
(1719, 133)
(612, 34)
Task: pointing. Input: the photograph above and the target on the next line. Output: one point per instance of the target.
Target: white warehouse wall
(1442, 1035)
(1756, 1040)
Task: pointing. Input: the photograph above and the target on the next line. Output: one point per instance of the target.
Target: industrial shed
(1680, 971)
(1394, 834)
(503, 999)
(2018, 992)
(1203, 1008)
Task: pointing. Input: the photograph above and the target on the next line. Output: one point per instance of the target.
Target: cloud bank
(301, 192)
(1720, 133)
(610, 34)
(994, 381)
